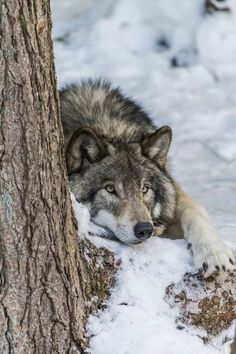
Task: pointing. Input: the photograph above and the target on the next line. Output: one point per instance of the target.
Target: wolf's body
(116, 160)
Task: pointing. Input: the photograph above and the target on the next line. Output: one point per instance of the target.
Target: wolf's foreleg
(210, 253)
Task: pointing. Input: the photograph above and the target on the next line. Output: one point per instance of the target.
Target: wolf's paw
(212, 257)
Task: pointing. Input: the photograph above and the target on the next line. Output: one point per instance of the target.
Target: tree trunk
(46, 277)
(233, 346)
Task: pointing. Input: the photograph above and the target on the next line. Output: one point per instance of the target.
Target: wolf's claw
(213, 257)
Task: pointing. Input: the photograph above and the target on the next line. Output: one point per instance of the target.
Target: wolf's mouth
(108, 233)
(135, 242)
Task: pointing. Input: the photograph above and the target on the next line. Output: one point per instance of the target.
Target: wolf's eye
(110, 188)
(145, 189)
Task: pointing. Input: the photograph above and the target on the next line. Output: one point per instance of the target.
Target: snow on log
(208, 304)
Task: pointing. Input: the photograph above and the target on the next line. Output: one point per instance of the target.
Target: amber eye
(145, 189)
(110, 188)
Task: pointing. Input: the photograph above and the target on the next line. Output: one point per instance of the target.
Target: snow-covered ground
(132, 43)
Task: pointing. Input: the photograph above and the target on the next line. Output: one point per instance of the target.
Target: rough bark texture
(45, 281)
(233, 347)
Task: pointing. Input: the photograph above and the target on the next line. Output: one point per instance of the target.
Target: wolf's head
(124, 185)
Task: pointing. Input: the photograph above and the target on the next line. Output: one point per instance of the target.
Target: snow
(132, 42)
(137, 319)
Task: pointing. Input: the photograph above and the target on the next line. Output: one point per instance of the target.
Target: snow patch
(133, 43)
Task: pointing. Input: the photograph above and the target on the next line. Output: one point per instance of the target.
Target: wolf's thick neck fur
(117, 161)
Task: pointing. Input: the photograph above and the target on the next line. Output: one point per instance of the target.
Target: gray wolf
(117, 166)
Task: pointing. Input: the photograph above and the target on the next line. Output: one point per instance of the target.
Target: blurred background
(178, 60)
(132, 37)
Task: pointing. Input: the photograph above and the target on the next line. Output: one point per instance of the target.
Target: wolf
(117, 166)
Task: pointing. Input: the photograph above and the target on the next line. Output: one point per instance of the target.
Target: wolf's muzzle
(143, 230)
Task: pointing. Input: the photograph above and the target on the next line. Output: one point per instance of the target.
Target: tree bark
(46, 276)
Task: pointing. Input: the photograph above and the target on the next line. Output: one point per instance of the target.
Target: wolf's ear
(84, 144)
(156, 145)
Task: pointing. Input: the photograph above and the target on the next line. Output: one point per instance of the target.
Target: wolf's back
(96, 105)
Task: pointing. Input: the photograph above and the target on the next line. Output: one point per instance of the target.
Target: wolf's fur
(116, 160)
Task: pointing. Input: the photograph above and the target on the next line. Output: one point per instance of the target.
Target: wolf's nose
(143, 230)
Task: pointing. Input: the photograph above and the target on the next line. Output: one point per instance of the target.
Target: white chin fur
(122, 228)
